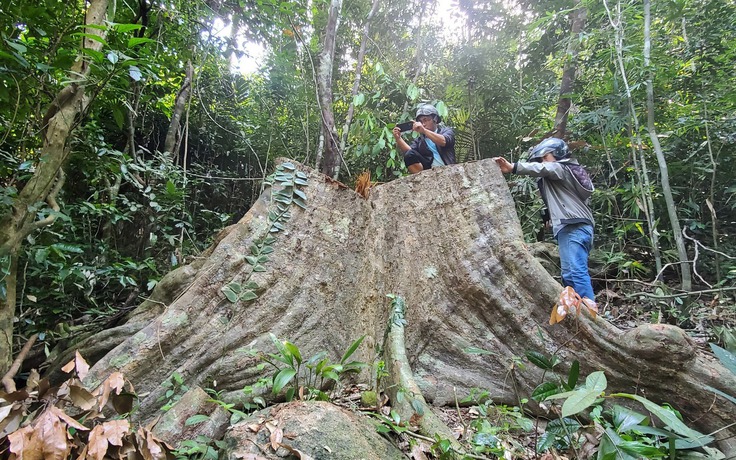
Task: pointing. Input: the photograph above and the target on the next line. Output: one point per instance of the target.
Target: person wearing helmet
(435, 145)
(566, 188)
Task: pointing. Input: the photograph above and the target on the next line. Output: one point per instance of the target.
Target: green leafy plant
(310, 375)
(175, 389)
(494, 423)
(391, 423)
(728, 360)
(627, 433)
(199, 448)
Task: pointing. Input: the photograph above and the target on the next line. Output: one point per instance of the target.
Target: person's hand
(397, 132)
(418, 127)
(504, 164)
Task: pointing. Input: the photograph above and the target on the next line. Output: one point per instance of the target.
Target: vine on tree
(286, 182)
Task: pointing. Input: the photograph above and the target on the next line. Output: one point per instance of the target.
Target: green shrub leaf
(624, 419)
(539, 360)
(231, 296)
(544, 391)
(351, 349)
(248, 295)
(726, 358)
(293, 351)
(283, 378)
(666, 416)
(195, 419)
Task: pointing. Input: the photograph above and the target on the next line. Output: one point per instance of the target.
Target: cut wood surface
(449, 242)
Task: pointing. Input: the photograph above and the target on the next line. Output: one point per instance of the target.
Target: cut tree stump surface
(449, 242)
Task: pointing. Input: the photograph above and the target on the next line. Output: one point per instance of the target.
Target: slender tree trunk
(332, 157)
(685, 275)
(8, 312)
(711, 199)
(60, 120)
(642, 172)
(577, 18)
(418, 55)
(358, 74)
(180, 104)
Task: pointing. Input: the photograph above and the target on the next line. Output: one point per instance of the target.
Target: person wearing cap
(566, 188)
(435, 145)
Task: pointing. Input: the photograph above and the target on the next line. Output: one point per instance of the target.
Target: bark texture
(449, 242)
(332, 156)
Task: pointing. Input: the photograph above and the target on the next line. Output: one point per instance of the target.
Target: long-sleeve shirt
(565, 187)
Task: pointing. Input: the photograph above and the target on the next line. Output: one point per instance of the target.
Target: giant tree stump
(449, 242)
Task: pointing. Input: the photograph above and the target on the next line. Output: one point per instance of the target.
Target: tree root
(8, 381)
(402, 389)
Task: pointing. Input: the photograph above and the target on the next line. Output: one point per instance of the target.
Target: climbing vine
(286, 182)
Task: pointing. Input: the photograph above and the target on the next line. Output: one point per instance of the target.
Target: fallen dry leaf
(299, 454)
(68, 367)
(77, 363)
(82, 398)
(277, 435)
(104, 435)
(33, 379)
(114, 381)
(52, 434)
(123, 403)
(24, 445)
(81, 365)
(69, 421)
(417, 452)
(5, 411)
(149, 446)
(11, 422)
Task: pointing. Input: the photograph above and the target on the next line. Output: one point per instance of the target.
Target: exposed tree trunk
(577, 19)
(358, 74)
(172, 135)
(332, 157)
(60, 120)
(468, 281)
(664, 175)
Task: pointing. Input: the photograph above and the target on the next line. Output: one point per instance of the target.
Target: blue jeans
(575, 242)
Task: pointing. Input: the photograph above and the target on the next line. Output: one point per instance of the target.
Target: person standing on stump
(435, 145)
(566, 188)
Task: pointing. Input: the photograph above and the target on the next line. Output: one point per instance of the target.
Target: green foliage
(175, 389)
(728, 360)
(627, 433)
(200, 448)
(495, 426)
(307, 378)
